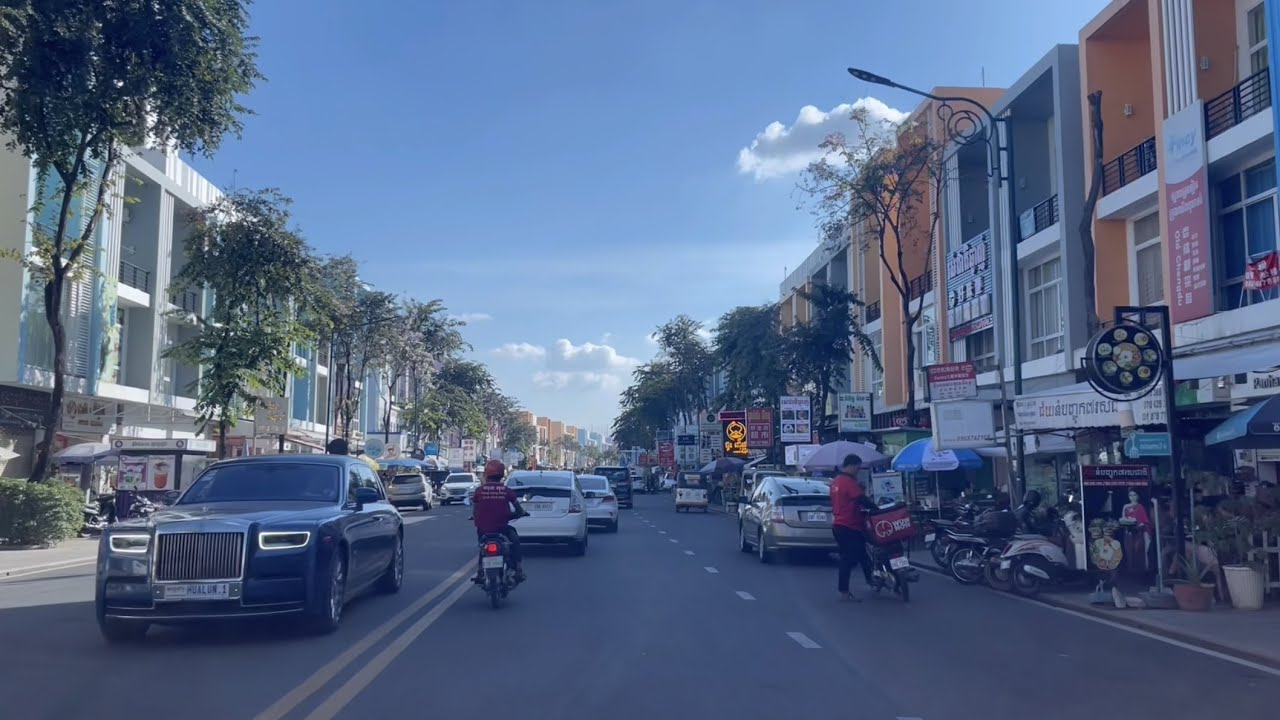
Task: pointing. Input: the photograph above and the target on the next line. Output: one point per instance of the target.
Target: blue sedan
(278, 535)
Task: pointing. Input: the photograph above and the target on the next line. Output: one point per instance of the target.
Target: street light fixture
(968, 122)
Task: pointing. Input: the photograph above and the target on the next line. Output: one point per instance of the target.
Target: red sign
(667, 454)
(760, 428)
(1186, 188)
(1115, 475)
(952, 381)
(1263, 274)
(644, 458)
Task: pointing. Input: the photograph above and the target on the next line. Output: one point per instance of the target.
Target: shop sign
(1263, 274)
(1123, 359)
(89, 416)
(1141, 444)
(854, 412)
(374, 447)
(271, 416)
(886, 485)
(455, 457)
(1257, 385)
(798, 455)
(1115, 475)
(969, 306)
(709, 422)
(431, 449)
(160, 472)
(1087, 409)
(468, 450)
(796, 418)
(733, 437)
(952, 381)
(760, 428)
(667, 454)
(191, 445)
(1186, 188)
(962, 424)
(133, 473)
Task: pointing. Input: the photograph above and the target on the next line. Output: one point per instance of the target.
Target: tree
(81, 81)
(689, 363)
(360, 321)
(415, 339)
(818, 353)
(1097, 169)
(454, 400)
(521, 436)
(649, 405)
(890, 181)
(749, 347)
(262, 277)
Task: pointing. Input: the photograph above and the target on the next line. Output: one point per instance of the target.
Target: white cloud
(521, 351)
(780, 150)
(471, 317)
(581, 380)
(587, 356)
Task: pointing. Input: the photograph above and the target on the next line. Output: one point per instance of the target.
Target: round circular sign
(1124, 359)
(374, 447)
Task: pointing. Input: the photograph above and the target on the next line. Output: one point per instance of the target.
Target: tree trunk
(909, 326)
(53, 413)
(223, 426)
(1090, 203)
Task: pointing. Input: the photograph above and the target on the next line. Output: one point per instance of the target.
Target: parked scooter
(967, 559)
(1033, 558)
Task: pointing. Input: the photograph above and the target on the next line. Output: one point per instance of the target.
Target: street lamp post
(965, 126)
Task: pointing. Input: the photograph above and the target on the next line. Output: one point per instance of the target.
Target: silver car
(786, 513)
(410, 489)
(556, 507)
(602, 504)
(456, 487)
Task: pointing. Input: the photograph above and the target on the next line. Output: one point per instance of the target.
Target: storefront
(161, 465)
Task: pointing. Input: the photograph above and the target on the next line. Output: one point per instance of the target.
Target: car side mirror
(366, 496)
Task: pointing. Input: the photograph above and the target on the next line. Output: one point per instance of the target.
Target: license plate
(818, 517)
(495, 561)
(1006, 564)
(198, 591)
(898, 563)
(930, 537)
(537, 506)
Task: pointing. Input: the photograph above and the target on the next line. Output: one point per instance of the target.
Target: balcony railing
(188, 300)
(1250, 97)
(135, 277)
(1040, 218)
(921, 284)
(1133, 164)
(873, 312)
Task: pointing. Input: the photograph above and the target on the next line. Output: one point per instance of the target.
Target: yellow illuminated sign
(735, 438)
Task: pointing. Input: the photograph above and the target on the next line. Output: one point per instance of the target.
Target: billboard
(733, 435)
(952, 381)
(854, 411)
(797, 418)
(760, 428)
(969, 285)
(1186, 194)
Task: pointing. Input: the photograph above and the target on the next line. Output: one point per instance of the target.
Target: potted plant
(1229, 531)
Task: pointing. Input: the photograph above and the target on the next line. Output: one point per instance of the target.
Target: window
(353, 484)
(1256, 26)
(1044, 309)
(877, 374)
(980, 349)
(1247, 229)
(1148, 262)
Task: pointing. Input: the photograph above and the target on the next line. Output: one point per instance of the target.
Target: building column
(1179, 36)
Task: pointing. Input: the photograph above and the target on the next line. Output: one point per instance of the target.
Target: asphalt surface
(665, 619)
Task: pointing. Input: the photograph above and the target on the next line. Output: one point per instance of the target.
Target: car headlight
(284, 540)
(130, 544)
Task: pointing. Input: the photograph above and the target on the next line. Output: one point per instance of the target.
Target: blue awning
(1254, 427)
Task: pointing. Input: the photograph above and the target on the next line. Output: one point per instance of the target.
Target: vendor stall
(160, 465)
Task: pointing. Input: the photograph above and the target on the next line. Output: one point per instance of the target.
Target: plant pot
(1245, 585)
(1192, 596)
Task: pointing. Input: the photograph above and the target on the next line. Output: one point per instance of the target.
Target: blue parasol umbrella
(921, 456)
(403, 463)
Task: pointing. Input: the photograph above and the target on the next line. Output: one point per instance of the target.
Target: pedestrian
(848, 506)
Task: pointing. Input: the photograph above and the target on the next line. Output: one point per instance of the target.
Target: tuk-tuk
(691, 491)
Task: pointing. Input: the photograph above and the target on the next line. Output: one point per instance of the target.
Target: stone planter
(1245, 585)
(1192, 596)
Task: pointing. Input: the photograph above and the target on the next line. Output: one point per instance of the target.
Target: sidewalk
(68, 553)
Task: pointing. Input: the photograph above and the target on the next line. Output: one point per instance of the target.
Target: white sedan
(602, 504)
(556, 507)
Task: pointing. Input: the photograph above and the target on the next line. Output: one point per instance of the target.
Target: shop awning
(1227, 361)
(1252, 428)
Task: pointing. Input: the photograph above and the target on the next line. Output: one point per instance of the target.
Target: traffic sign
(1144, 444)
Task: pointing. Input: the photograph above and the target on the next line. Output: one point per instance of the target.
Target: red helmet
(494, 469)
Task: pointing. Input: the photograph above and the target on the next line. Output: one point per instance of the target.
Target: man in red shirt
(492, 511)
(848, 504)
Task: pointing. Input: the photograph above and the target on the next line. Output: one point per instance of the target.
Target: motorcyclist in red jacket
(848, 507)
(492, 511)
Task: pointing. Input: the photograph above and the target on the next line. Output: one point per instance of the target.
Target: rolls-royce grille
(199, 556)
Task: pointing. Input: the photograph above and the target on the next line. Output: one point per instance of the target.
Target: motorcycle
(498, 575)
(967, 559)
(1030, 560)
(886, 532)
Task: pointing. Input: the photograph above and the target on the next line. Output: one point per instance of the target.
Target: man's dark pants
(853, 551)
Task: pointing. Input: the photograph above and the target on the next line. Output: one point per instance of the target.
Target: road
(664, 619)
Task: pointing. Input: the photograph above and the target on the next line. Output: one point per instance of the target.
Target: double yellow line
(343, 696)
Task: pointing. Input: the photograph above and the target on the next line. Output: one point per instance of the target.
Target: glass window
(264, 482)
(1148, 260)
(1044, 309)
(353, 483)
(980, 349)
(1256, 21)
(1247, 229)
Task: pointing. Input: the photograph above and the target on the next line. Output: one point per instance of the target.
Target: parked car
(457, 487)
(668, 482)
(410, 489)
(619, 480)
(556, 507)
(270, 535)
(749, 481)
(786, 513)
(602, 504)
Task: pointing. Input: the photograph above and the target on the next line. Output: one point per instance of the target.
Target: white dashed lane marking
(672, 540)
(806, 642)
(712, 570)
(745, 595)
(688, 552)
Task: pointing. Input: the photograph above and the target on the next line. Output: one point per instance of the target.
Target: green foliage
(749, 347)
(521, 435)
(817, 353)
(455, 400)
(689, 363)
(81, 81)
(649, 405)
(40, 513)
(262, 275)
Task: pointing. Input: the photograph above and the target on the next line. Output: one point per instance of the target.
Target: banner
(733, 435)
(667, 454)
(1264, 273)
(468, 450)
(969, 285)
(797, 419)
(760, 428)
(854, 412)
(952, 381)
(1186, 193)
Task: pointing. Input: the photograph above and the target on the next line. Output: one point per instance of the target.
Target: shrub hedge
(40, 513)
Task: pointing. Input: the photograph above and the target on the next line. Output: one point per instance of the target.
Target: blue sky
(569, 174)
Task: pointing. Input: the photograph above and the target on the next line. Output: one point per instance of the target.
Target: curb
(1136, 623)
(41, 567)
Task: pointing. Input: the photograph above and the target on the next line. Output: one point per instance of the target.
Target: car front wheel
(326, 614)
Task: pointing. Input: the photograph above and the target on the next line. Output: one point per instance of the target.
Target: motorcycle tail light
(492, 549)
